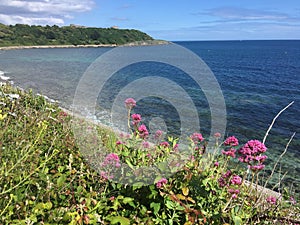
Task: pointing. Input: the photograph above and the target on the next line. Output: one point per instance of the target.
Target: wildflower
(251, 154)
(158, 134)
(143, 132)
(227, 174)
(175, 148)
(130, 103)
(104, 175)
(236, 180)
(111, 159)
(197, 137)
(230, 152)
(136, 119)
(146, 144)
(222, 182)
(231, 141)
(216, 164)
(217, 135)
(272, 200)
(119, 142)
(261, 158)
(234, 196)
(165, 144)
(161, 182)
(233, 191)
(253, 147)
(257, 167)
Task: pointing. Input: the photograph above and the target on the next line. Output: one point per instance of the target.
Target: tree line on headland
(26, 35)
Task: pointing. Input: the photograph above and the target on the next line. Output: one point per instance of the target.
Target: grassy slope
(45, 179)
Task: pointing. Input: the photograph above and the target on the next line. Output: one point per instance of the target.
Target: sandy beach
(57, 46)
(142, 43)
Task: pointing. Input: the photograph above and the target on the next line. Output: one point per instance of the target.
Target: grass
(46, 179)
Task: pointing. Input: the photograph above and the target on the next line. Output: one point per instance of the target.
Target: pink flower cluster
(272, 200)
(164, 144)
(217, 135)
(143, 132)
(136, 119)
(197, 137)
(231, 142)
(110, 162)
(130, 103)
(112, 159)
(251, 154)
(161, 182)
(158, 134)
(231, 181)
(234, 192)
(236, 180)
(230, 152)
(146, 144)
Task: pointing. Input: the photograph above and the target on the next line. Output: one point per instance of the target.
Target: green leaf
(137, 185)
(61, 180)
(129, 163)
(119, 219)
(170, 205)
(128, 200)
(155, 206)
(48, 205)
(237, 220)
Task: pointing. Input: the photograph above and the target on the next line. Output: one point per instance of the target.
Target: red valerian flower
(236, 180)
(158, 134)
(130, 103)
(272, 200)
(230, 152)
(165, 144)
(231, 141)
(251, 154)
(143, 132)
(136, 119)
(197, 137)
(161, 182)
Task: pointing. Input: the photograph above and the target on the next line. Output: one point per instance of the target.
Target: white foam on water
(47, 98)
(3, 77)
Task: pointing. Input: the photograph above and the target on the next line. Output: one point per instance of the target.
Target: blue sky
(164, 19)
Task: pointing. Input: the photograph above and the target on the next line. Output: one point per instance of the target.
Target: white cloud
(41, 11)
(10, 19)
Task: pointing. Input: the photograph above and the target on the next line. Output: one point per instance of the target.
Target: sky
(175, 20)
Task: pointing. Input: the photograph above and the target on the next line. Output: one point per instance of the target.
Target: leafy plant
(44, 178)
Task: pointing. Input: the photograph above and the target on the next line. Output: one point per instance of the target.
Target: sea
(256, 79)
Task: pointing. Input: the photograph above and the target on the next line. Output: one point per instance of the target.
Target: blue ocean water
(257, 78)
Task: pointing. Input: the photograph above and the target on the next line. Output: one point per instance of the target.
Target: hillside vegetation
(26, 35)
(46, 178)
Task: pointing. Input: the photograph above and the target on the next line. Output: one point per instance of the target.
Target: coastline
(138, 43)
(56, 46)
